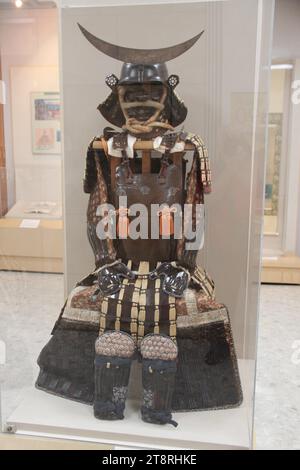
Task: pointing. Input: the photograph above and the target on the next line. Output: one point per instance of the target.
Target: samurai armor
(147, 290)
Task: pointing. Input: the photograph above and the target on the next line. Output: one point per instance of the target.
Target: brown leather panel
(148, 189)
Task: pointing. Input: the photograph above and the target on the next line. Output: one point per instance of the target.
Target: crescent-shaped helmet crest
(140, 56)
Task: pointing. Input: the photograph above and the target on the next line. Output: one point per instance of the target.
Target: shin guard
(114, 352)
(159, 355)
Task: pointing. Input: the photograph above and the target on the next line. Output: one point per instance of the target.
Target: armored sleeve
(97, 184)
(198, 184)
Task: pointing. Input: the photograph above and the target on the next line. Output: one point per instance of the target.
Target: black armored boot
(114, 353)
(159, 355)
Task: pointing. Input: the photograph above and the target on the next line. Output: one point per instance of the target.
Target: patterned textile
(96, 183)
(202, 279)
(141, 307)
(115, 343)
(198, 182)
(192, 197)
(194, 302)
(158, 347)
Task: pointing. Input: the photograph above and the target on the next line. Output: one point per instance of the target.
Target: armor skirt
(207, 372)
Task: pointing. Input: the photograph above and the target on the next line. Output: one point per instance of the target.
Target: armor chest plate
(150, 190)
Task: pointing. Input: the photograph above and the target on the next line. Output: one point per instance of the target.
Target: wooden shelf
(37, 249)
(281, 270)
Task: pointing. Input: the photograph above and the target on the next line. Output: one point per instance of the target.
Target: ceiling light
(18, 3)
(282, 66)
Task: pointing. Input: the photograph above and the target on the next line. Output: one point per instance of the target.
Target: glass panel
(31, 226)
(226, 95)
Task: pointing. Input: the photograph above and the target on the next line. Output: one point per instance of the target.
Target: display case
(224, 83)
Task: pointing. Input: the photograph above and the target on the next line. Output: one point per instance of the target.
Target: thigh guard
(115, 344)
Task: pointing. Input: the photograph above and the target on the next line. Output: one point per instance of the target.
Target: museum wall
(29, 53)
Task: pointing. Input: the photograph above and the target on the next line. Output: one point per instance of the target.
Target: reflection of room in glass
(278, 116)
(46, 110)
(44, 139)
(30, 140)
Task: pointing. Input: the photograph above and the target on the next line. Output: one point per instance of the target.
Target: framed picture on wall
(46, 131)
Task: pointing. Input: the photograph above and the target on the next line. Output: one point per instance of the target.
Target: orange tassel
(123, 223)
(166, 222)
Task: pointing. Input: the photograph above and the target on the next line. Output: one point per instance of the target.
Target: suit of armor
(146, 299)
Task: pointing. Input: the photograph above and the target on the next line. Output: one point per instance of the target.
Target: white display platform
(43, 414)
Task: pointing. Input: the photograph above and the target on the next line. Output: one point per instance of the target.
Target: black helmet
(142, 66)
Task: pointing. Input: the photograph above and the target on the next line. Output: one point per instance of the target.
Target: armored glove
(176, 279)
(110, 277)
